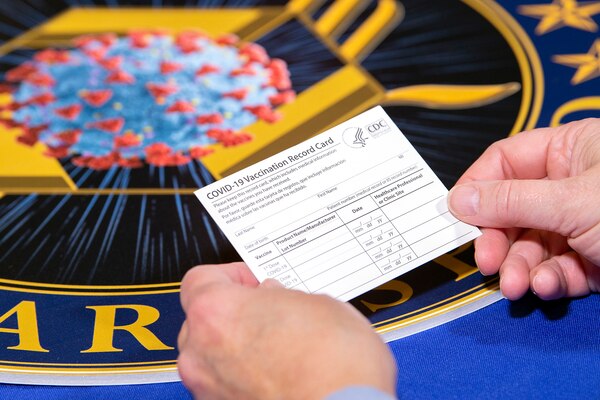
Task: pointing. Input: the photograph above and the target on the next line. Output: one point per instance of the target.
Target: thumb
(539, 204)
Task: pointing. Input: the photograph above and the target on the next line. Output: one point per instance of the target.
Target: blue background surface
(510, 350)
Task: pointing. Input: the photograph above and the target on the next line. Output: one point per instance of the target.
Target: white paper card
(340, 213)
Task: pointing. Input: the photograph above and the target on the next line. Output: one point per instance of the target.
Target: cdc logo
(377, 128)
(355, 137)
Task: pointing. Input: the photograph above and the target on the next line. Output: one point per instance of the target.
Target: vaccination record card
(340, 213)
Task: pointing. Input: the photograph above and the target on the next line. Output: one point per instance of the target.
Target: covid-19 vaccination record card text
(340, 213)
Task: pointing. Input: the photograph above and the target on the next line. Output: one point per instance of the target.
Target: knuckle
(573, 217)
(182, 337)
(193, 276)
(584, 124)
(191, 372)
(186, 369)
(202, 305)
(195, 282)
(496, 147)
(208, 316)
(506, 197)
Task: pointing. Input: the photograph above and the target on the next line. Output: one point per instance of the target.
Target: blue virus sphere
(149, 97)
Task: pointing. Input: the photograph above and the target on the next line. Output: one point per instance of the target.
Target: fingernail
(463, 200)
(535, 283)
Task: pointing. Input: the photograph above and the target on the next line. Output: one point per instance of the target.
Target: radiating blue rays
(161, 260)
(138, 249)
(116, 214)
(144, 266)
(191, 176)
(68, 272)
(41, 271)
(197, 250)
(47, 219)
(98, 221)
(211, 234)
(176, 254)
(19, 240)
(15, 58)
(206, 176)
(86, 173)
(16, 211)
(194, 174)
(22, 14)
(78, 239)
(184, 229)
(161, 177)
(309, 61)
(34, 256)
(84, 3)
(9, 30)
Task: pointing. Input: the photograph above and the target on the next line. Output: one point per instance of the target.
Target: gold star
(563, 13)
(588, 65)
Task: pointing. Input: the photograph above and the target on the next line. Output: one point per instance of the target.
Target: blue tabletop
(510, 350)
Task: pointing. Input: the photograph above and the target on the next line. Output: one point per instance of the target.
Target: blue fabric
(359, 393)
(163, 391)
(526, 349)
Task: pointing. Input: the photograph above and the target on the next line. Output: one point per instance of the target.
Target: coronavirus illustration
(148, 97)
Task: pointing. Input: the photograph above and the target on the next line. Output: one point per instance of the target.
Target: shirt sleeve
(359, 393)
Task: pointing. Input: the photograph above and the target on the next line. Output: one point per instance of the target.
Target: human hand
(242, 340)
(536, 196)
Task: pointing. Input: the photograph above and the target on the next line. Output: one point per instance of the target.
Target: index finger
(523, 156)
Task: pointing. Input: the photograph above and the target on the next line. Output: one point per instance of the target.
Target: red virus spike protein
(207, 69)
(143, 99)
(40, 79)
(120, 77)
(30, 135)
(41, 99)
(133, 162)
(167, 67)
(96, 53)
(181, 106)
(69, 112)
(238, 94)
(264, 113)
(227, 40)
(255, 53)
(20, 73)
(69, 137)
(127, 140)
(96, 98)
(51, 56)
(57, 151)
(245, 70)
(6, 88)
(112, 125)
(140, 40)
(160, 90)
(282, 98)
(111, 62)
(199, 151)
(108, 39)
(210, 119)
